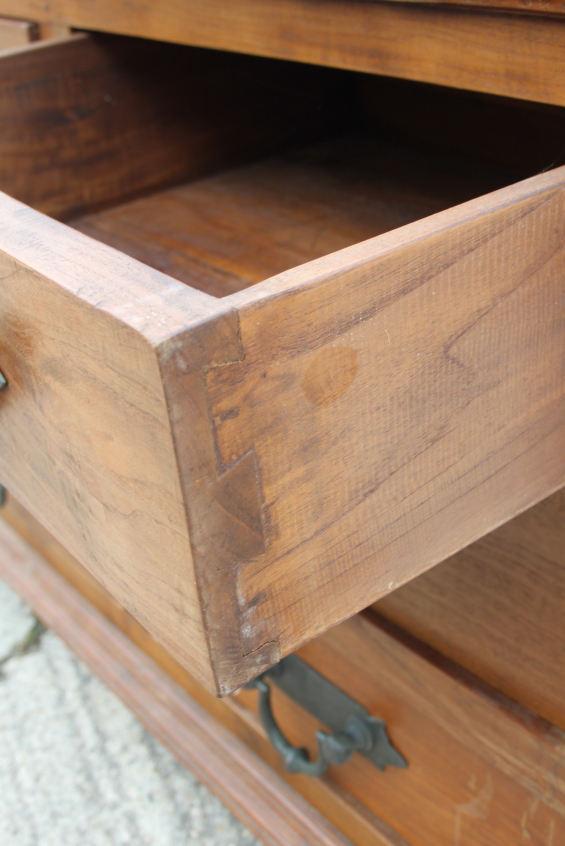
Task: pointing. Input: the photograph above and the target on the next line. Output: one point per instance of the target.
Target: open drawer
(244, 418)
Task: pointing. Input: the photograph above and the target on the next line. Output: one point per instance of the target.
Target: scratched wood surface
(497, 608)
(516, 55)
(483, 770)
(321, 437)
(88, 121)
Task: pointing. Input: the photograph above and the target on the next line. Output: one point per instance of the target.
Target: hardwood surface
(498, 608)
(510, 54)
(346, 813)
(230, 231)
(482, 770)
(251, 790)
(89, 121)
(14, 33)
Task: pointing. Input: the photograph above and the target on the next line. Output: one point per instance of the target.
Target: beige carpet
(77, 768)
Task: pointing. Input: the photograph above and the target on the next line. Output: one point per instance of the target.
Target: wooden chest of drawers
(278, 338)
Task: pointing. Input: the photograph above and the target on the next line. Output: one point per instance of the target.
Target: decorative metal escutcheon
(353, 728)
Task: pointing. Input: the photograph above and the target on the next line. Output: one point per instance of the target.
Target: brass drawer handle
(354, 729)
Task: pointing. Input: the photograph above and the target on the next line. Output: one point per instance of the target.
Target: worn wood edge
(254, 793)
(16, 32)
(148, 301)
(305, 31)
(223, 506)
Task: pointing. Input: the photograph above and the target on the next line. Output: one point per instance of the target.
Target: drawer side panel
(402, 398)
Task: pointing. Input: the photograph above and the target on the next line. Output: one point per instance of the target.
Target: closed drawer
(245, 418)
(482, 770)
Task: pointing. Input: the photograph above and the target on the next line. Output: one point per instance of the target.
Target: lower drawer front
(482, 770)
(244, 472)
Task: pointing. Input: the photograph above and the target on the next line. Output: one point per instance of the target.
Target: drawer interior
(222, 170)
(234, 229)
(388, 153)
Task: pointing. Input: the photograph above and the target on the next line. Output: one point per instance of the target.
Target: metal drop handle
(357, 732)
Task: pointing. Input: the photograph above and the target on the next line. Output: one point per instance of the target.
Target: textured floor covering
(77, 768)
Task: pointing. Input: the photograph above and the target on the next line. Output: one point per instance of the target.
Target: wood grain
(497, 608)
(347, 814)
(89, 121)
(482, 770)
(261, 800)
(509, 54)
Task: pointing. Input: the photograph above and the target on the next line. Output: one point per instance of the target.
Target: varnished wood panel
(482, 771)
(88, 121)
(509, 54)
(498, 608)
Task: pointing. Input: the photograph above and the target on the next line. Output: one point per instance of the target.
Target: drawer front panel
(85, 438)
(481, 770)
(513, 55)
